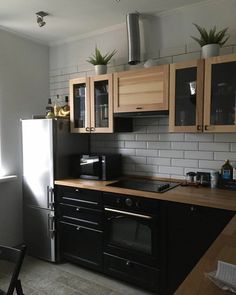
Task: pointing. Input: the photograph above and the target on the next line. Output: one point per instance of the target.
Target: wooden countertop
(224, 248)
(215, 198)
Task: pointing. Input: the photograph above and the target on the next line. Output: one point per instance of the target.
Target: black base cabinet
(82, 245)
(79, 225)
(190, 230)
(133, 272)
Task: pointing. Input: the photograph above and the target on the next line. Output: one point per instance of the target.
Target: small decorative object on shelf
(100, 61)
(56, 106)
(227, 171)
(49, 109)
(211, 40)
(65, 110)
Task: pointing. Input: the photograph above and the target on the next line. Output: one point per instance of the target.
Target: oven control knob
(128, 202)
(118, 201)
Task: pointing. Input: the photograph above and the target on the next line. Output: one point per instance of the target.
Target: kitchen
(149, 149)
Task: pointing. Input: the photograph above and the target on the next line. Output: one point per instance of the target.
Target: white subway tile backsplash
(171, 154)
(146, 168)
(147, 137)
(213, 146)
(158, 161)
(191, 146)
(172, 137)
(146, 152)
(136, 144)
(135, 160)
(198, 155)
(171, 170)
(131, 152)
(224, 156)
(199, 137)
(184, 163)
(233, 147)
(125, 136)
(158, 145)
(186, 56)
(225, 137)
(216, 165)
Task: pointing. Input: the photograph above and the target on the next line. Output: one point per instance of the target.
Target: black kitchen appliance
(157, 186)
(96, 166)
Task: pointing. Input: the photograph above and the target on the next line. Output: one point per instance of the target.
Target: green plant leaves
(211, 37)
(98, 59)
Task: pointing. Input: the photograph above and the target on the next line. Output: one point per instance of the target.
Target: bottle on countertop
(66, 106)
(227, 171)
(49, 109)
(56, 105)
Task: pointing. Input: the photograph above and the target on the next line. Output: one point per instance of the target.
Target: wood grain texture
(215, 198)
(224, 248)
(141, 90)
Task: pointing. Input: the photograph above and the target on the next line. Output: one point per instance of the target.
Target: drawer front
(142, 275)
(79, 197)
(81, 245)
(80, 215)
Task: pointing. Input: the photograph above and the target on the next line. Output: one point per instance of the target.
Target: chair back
(15, 256)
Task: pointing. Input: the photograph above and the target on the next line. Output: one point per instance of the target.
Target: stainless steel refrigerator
(46, 145)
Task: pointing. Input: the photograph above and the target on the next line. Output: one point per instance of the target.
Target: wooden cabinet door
(141, 90)
(186, 96)
(220, 94)
(80, 105)
(101, 91)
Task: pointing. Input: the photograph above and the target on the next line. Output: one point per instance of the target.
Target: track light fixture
(40, 15)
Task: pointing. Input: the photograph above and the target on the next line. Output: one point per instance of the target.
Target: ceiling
(74, 18)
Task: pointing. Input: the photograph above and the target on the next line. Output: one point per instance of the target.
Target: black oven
(131, 228)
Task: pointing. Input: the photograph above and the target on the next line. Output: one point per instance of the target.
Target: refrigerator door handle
(51, 226)
(50, 197)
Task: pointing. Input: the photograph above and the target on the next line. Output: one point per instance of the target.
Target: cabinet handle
(77, 190)
(87, 129)
(206, 127)
(77, 209)
(199, 127)
(78, 228)
(128, 263)
(92, 129)
(139, 108)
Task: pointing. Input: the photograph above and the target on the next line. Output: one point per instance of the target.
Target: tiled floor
(43, 278)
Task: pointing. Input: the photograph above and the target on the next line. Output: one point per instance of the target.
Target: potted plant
(100, 61)
(211, 40)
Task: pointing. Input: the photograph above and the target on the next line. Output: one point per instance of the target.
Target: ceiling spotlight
(40, 16)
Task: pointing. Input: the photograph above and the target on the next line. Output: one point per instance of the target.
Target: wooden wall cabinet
(220, 94)
(186, 96)
(141, 90)
(212, 108)
(91, 101)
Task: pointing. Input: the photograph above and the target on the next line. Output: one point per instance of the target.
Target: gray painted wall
(24, 90)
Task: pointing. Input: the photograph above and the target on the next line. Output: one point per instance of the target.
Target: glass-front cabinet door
(186, 96)
(220, 94)
(80, 105)
(101, 103)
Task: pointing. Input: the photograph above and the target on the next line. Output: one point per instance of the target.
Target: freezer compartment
(39, 233)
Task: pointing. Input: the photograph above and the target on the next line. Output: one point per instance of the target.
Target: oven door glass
(129, 230)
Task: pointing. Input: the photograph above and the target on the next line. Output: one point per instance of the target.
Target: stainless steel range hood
(132, 22)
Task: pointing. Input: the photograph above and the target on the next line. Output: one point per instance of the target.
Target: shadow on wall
(151, 37)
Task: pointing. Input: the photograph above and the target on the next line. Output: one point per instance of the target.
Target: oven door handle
(128, 213)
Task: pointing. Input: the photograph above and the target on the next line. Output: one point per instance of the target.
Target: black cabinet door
(81, 245)
(190, 231)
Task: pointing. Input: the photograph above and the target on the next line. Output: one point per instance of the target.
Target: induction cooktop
(158, 186)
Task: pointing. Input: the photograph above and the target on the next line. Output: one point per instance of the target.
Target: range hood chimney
(132, 22)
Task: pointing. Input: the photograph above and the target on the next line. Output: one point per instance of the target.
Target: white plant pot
(100, 69)
(210, 50)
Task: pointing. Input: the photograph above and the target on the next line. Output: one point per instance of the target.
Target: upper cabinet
(91, 101)
(186, 96)
(220, 94)
(203, 95)
(141, 90)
